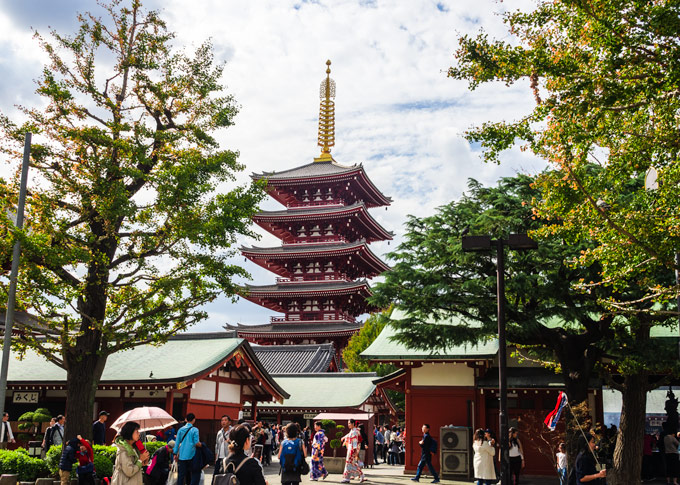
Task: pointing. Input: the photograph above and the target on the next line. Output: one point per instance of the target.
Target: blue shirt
(379, 437)
(187, 450)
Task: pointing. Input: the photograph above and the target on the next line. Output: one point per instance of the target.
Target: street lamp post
(485, 243)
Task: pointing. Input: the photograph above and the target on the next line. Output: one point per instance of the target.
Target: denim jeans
(184, 473)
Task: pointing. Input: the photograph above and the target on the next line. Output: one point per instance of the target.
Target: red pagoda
(324, 259)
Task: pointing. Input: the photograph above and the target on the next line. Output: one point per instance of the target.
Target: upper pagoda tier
(323, 224)
(309, 262)
(323, 183)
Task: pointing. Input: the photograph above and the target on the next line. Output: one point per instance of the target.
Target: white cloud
(396, 111)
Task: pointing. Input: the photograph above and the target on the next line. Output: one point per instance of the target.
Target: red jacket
(87, 456)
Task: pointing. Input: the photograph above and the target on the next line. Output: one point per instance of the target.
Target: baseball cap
(103, 413)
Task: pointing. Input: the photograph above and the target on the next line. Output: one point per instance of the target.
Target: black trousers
(515, 469)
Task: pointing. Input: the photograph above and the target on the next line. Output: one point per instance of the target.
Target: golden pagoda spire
(326, 117)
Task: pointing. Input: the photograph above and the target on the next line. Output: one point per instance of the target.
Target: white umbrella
(148, 418)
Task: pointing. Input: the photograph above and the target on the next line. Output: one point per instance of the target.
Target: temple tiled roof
(289, 359)
(295, 249)
(310, 288)
(314, 169)
(302, 327)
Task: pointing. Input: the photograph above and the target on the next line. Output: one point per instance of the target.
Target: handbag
(304, 466)
(172, 476)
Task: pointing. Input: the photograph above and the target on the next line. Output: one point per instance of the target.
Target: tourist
(647, 457)
(170, 434)
(247, 470)
(561, 457)
(318, 470)
(6, 435)
(268, 446)
(516, 454)
(584, 466)
(379, 444)
(67, 460)
(129, 462)
(291, 455)
(58, 431)
(427, 447)
(85, 457)
(47, 438)
(222, 442)
(363, 444)
(484, 448)
(352, 466)
(387, 434)
(395, 447)
(185, 449)
(159, 467)
(99, 429)
(670, 445)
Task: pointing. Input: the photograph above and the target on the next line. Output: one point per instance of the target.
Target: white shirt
(222, 443)
(6, 426)
(514, 450)
(561, 460)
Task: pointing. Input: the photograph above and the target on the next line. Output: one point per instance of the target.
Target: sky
(396, 110)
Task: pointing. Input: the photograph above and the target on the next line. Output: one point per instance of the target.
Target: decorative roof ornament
(326, 117)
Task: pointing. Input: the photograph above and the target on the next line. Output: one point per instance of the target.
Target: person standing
(47, 438)
(129, 463)
(291, 455)
(427, 447)
(6, 435)
(318, 470)
(516, 454)
(185, 449)
(161, 466)
(222, 442)
(584, 467)
(379, 448)
(484, 448)
(352, 466)
(670, 445)
(58, 431)
(67, 460)
(246, 469)
(99, 429)
(561, 456)
(85, 457)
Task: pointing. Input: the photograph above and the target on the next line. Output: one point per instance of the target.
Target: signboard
(309, 416)
(25, 397)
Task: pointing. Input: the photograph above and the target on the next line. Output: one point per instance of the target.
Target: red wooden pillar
(278, 417)
(168, 401)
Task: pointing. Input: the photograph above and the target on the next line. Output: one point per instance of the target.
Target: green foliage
(360, 341)
(336, 443)
(328, 424)
(52, 458)
(103, 465)
(107, 451)
(130, 231)
(18, 462)
(152, 446)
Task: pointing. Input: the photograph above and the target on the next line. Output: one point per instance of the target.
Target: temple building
(325, 259)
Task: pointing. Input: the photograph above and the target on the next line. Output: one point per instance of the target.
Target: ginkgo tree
(133, 210)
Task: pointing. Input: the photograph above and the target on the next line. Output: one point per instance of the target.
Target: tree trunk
(627, 467)
(82, 377)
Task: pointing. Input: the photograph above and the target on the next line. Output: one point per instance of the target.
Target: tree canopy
(134, 210)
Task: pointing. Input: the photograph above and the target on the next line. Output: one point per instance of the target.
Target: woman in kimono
(352, 468)
(320, 440)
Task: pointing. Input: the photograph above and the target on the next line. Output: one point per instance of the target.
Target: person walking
(129, 462)
(561, 457)
(352, 466)
(185, 449)
(484, 449)
(516, 454)
(246, 469)
(427, 447)
(291, 455)
(318, 470)
(395, 447)
(268, 445)
(6, 435)
(222, 442)
(379, 444)
(85, 457)
(99, 429)
(584, 466)
(47, 437)
(670, 445)
(58, 431)
(67, 460)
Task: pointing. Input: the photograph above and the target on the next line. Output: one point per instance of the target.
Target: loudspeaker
(454, 456)
(454, 438)
(454, 463)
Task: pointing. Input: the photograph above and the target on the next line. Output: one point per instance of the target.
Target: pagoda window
(316, 231)
(329, 194)
(317, 195)
(293, 306)
(328, 231)
(328, 267)
(305, 196)
(311, 306)
(297, 269)
(328, 305)
(314, 267)
(301, 232)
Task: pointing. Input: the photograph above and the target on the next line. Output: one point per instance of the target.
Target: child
(562, 463)
(85, 458)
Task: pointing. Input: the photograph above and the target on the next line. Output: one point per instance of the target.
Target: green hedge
(18, 461)
(104, 457)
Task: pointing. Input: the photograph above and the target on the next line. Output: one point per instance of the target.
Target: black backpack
(229, 476)
(48, 438)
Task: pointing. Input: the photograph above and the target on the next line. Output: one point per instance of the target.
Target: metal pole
(9, 316)
(502, 362)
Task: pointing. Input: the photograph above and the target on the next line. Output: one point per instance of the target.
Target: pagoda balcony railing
(315, 203)
(336, 238)
(312, 278)
(330, 318)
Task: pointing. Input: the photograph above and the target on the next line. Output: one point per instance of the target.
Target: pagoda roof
(290, 359)
(305, 251)
(315, 172)
(312, 288)
(271, 220)
(305, 328)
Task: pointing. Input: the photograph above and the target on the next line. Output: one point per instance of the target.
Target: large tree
(605, 78)
(133, 207)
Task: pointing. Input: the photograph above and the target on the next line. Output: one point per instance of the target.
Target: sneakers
(344, 481)
(415, 479)
(436, 480)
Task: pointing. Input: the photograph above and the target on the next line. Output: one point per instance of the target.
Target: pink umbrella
(149, 418)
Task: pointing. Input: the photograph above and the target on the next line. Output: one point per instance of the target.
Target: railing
(315, 203)
(312, 278)
(325, 319)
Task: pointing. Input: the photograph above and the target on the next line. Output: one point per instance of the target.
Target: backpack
(229, 477)
(291, 455)
(48, 438)
(433, 445)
